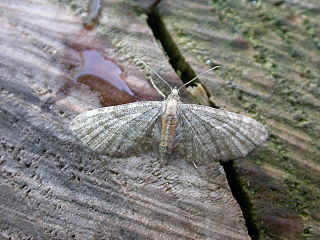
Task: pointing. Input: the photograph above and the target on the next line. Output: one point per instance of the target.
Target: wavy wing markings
(188, 139)
(208, 133)
(118, 130)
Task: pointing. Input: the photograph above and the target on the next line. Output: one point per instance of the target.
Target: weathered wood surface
(269, 52)
(52, 188)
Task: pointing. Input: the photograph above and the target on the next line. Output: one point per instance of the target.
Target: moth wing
(208, 133)
(118, 130)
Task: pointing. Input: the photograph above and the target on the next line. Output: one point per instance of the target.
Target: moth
(197, 133)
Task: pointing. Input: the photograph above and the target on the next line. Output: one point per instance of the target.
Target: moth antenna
(153, 84)
(158, 90)
(198, 76)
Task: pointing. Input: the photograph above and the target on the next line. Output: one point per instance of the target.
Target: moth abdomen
(168, 129)
(167, 140)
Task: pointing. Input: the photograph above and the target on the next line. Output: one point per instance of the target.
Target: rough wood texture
(269, 56)
(52, 188)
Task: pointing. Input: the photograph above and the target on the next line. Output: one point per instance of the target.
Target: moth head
(175, 91)
(174, 94)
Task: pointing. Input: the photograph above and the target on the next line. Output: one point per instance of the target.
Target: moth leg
(195, 165)
(163, 159)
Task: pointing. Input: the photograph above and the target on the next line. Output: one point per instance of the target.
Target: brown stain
(283, 222)
(278, 220)
(103, 76)
(88, 60)
(109, 94)
(240, 44)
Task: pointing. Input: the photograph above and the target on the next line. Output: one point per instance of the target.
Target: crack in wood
(185, 71)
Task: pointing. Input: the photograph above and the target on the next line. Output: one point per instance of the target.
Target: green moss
(262, 28)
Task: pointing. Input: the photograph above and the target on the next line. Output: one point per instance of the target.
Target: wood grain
(268, 54)
(52, 188)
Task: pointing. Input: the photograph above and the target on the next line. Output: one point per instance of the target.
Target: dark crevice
(186, 73)
(242, 198)
(176, 59)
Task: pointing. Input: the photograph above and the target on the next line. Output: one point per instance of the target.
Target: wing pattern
(118, 130)
(206, 133)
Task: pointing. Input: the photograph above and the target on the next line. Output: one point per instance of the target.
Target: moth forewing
(119, 130)
(208, 133)
(199, 133)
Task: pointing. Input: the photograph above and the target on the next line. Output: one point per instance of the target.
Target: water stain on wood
(105, 77)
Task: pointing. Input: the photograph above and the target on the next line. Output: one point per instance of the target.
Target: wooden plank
(269, 58)
(53, 188)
